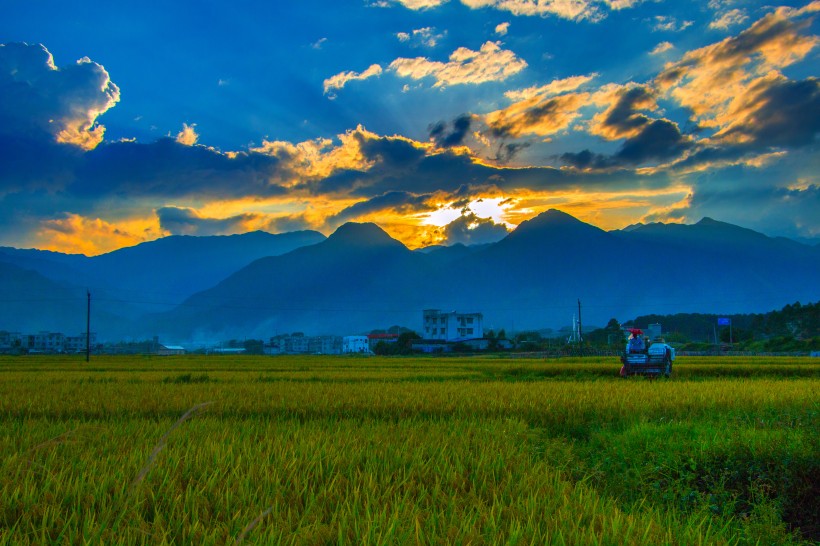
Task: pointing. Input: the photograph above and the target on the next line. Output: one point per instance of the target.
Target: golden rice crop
(387, 451)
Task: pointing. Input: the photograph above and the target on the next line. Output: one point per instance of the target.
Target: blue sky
(443, 121)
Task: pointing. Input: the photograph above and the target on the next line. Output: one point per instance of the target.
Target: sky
(443, 121)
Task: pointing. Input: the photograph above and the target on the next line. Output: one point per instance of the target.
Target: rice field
(337, 450)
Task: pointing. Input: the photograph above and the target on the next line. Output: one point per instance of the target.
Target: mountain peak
(554, 221)
(362, 234)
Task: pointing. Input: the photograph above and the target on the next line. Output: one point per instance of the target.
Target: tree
(254, 346)
(406, 339)
(613, 324)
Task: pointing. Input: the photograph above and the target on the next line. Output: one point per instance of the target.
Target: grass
(324, 450)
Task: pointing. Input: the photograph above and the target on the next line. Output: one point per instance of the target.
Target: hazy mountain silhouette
(166, 270)
(29, 303)
(358, 274)
(132, 281)
(360, 278)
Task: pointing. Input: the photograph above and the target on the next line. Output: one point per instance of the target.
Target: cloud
(665, 23)
(713, 81)
(169, 169)
(736, 92)
(576, 10)
(318, 43)
(40, 101)
(662, 47)
(620, 150)
(656, 141)
(541, 115)
(469, 229)
(555, 87)
(502, 28)
(465, 66)
(647, 139)
(623, 119)
(187, 136)
(426, 36)
(777, 113)
(340, 80)
(395, 202)
(416, 5)
(444, 138)
(729, 19)
(30, 163)
(187, 221)
(74, 233)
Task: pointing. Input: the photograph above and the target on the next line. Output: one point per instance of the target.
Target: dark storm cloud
(395, 201)
(185, 221)
(341, 182)
(773, 32)
(658, 140)
(391, 153)
(445, 138)
(623, 116)
(782, 113)
(399, 166)
(469, 229)
(32, 163)
(167, 168)
(508, 150)
(585, 159)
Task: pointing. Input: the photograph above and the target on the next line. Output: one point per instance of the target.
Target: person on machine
(635, 343)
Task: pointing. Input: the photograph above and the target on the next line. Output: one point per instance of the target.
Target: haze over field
(443, 121)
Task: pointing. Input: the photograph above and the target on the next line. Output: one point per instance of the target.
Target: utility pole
(579, 323)
(88, 328)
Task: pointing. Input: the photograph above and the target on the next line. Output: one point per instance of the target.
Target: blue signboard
(724, 321)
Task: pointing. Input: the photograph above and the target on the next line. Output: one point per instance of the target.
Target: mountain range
(359, 278)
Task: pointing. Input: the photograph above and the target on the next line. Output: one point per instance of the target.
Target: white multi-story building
(355, 344)
(452, 326)
(76, 344)
(49, 342)
(298, 343)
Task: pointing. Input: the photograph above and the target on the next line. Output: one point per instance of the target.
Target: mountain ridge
(360, 278)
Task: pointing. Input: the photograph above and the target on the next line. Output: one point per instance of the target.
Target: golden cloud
(91, 236)
(188, 135)
(713, 81)
(77, 124)
(555, 87)
(541, 115)
(319, 158)
(338, 81)
(465, 66)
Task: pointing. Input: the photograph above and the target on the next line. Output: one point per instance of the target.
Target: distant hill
(360, 278)
(148, 277)
(357, 276)
(29, 303)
